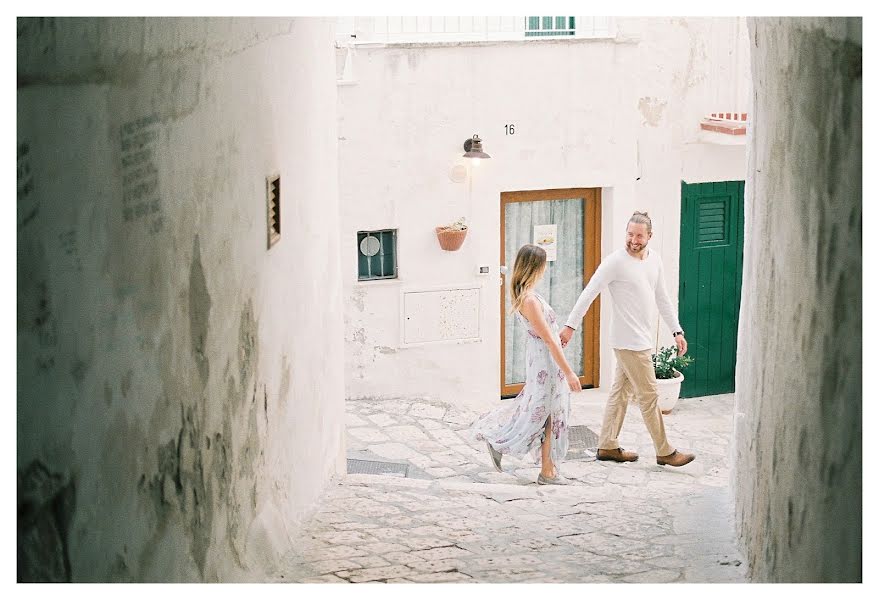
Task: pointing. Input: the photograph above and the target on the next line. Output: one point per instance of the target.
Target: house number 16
(510, 129)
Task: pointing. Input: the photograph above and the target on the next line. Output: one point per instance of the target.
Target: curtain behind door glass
(562, 283)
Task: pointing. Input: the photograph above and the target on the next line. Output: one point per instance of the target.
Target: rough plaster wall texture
(798, 380)
(691, 66)
(401, 128)
(171, 424)
(725, 86)
(709, 162)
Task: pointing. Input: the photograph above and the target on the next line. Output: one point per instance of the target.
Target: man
(634, 277)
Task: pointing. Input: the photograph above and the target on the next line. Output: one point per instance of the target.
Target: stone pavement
(455, 519)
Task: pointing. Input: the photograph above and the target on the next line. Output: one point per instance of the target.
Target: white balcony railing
(385, 30)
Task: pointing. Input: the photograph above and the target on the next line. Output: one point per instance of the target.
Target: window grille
(550, 26)
(377, 254)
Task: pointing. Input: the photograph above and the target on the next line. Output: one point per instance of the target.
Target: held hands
(573, 381)
(565, 335)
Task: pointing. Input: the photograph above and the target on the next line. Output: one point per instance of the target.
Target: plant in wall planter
(667, 365)
(452, 236)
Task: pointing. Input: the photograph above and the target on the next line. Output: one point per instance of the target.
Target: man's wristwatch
(677, 333)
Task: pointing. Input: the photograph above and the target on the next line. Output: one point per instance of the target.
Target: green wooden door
(710, 283)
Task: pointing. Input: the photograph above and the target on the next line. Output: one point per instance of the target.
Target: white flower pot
(669, 391)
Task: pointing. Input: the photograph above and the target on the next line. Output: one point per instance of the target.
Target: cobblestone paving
(455, 519)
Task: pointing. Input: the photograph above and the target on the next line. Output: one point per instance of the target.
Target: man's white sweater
(636, 286)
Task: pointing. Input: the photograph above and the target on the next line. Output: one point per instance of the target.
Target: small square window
(377, 254)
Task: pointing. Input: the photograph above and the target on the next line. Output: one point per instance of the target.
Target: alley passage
(447, 516)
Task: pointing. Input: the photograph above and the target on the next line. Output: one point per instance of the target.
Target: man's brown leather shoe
(675, 459)
(617, 455)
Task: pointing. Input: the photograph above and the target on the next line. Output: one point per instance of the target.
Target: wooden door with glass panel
(567, 224)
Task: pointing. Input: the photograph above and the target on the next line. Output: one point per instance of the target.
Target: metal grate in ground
(357, 466)
(582, 442)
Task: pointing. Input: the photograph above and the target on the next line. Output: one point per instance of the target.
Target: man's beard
(630, 247)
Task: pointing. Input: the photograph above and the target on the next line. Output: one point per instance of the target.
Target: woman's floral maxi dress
(517, 427)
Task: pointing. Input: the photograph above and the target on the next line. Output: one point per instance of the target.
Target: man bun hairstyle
(643, 218)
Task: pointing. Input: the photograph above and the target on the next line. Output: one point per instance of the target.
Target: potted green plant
(667, 365)
(452, 236)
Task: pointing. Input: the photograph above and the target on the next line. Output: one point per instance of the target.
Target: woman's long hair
(530, 262)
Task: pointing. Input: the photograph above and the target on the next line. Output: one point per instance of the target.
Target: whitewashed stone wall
(798, 379)
(180, 403)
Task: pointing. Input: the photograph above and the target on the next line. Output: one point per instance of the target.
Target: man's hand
(565, 335)
(681, 343)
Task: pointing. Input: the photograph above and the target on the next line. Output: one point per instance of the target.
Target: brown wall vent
(273, 197)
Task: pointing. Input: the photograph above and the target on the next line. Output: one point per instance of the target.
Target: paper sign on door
(545, 236)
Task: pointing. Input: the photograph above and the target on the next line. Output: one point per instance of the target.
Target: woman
(537, 421)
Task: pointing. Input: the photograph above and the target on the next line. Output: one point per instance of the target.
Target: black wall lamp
(473, 149)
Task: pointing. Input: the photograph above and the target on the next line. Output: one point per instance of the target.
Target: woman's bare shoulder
(530, 303)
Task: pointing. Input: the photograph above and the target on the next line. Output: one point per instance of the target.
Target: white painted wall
(388, 29)
(588, 113)
(177, 378)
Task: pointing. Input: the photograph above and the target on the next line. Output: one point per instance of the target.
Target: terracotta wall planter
(450, 239)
